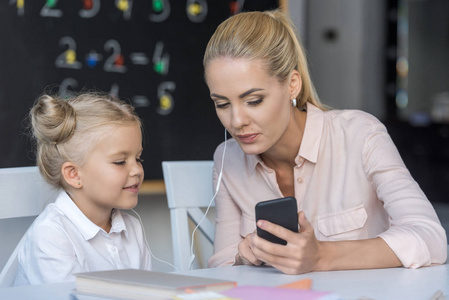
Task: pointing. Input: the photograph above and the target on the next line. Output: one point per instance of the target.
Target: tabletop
(392, 283)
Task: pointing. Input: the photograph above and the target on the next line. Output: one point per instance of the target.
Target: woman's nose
(239, 117)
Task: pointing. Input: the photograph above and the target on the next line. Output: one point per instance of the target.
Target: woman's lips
(248, 138)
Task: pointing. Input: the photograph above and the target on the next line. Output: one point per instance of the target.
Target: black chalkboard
(149, 52)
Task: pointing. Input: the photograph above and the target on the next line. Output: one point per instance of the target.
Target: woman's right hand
(245, 256)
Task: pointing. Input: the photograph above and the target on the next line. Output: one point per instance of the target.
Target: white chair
(189, 188)
(23, 194)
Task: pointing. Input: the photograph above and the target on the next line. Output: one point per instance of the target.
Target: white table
(395, 283)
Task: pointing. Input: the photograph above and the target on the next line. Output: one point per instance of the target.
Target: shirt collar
(252, 161)
(313, 131)
(310, 143)
(85, 226)
(118, 224)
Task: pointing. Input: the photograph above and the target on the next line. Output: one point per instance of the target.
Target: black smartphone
(282, 211)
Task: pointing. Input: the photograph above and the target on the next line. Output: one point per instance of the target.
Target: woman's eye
(139, 160)
(119, 163)
(255, 102)
(221, 105)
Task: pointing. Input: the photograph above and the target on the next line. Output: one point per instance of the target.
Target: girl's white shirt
(62, 241)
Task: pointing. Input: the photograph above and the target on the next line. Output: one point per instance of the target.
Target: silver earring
(293, 102)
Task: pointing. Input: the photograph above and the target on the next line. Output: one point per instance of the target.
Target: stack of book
(139, 284)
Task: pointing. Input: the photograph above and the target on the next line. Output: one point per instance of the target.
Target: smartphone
(282, 211)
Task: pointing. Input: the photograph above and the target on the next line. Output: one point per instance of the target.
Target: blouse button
(299, 180)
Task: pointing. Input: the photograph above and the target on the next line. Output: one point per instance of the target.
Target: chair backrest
(23, 194)
(189, 188)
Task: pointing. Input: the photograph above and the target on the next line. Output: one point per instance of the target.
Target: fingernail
(261, 224)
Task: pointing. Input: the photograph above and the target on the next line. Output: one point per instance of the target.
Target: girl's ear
(295, 84)
(70, 173)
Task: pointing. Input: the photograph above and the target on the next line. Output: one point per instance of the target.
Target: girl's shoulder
(52, 216)
(48, 227)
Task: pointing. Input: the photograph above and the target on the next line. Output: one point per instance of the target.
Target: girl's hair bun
(53, 120)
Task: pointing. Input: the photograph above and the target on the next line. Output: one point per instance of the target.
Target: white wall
(344, 41)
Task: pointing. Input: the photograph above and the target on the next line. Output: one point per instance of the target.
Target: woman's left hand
(301, 254)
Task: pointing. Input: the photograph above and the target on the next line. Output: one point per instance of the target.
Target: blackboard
(148, 52)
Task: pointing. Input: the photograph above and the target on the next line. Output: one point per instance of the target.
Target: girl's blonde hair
(68, 129)
(269, 36)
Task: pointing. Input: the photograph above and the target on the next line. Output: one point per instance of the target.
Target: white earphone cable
(192, 256)
(148, 246)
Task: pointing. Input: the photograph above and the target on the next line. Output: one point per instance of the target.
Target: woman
(359, 206)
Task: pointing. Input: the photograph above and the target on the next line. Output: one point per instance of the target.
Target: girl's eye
(255, 102)
(119, 163)
(139, 160)
(221, 105)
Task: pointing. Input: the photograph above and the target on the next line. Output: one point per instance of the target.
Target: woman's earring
(293, 102)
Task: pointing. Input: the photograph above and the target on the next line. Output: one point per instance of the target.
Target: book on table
(141, 284)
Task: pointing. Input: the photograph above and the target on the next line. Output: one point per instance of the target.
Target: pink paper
(273, 293)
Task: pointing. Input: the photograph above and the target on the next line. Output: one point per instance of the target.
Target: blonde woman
(89, 147)
(358, 205)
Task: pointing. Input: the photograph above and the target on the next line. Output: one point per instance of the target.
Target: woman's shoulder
(237, 164)
(231, 147)
(350, 114)
(353, 118)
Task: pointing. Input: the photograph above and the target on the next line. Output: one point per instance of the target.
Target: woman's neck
(284, 152)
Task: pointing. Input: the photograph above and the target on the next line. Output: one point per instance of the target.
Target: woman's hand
(304, 253)
(301, 254)
(245, 256)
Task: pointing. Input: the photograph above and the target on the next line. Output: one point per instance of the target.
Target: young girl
(88, 146)
(359, 206)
